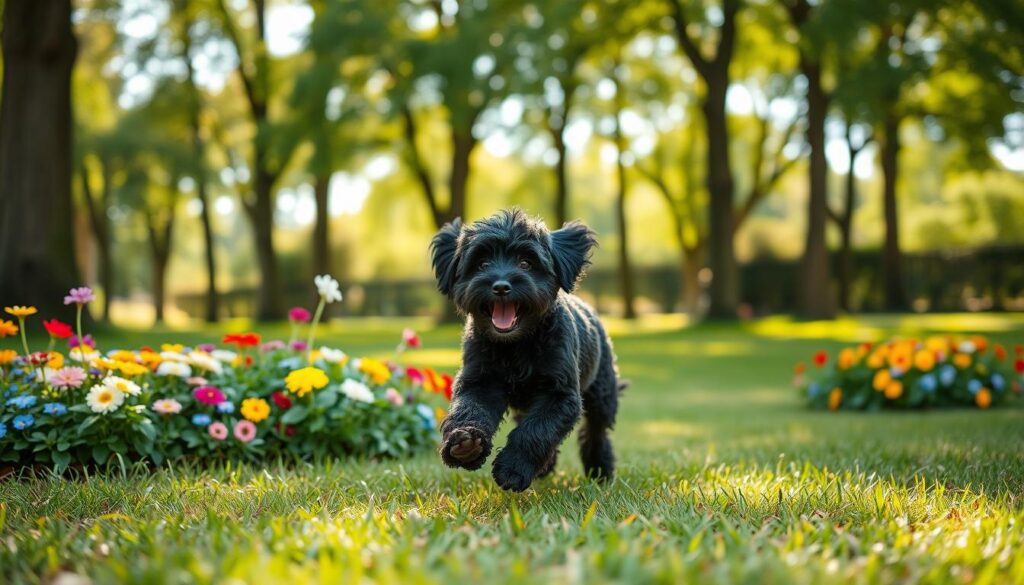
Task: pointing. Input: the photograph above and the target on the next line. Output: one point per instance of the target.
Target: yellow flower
(151, 359)
(304, 381)
(377, 370)
(900, 357)
(130, 369)
(439, 414)
(962, 360)
(835, 398)
(894, 390)
(847, 358)
(937, 344)
(7, 328)
(172, 347)
(983, 398)
(981, 369)
(255, 409)
(21, 312)
(7, 356)
(924, 360)
(123, 355)
(56, 361)
(882, 379)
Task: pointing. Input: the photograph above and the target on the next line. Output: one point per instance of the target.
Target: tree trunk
(212, 296)
(561, 175)
(846, 230)
(159, 286)
(463, 144)
(814, 297)
(321, 237)
(101, 231)
(724, 290)
(268, 299)
(895, 299)
(625, 269)
(37, 263)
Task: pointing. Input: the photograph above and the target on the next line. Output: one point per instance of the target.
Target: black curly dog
(529, 345)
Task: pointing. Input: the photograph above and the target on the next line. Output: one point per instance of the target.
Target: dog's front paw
(465, 447)
(512, 472)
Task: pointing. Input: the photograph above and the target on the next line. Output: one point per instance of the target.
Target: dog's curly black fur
(529, 346)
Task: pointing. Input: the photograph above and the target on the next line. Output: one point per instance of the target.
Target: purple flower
(298, 346)
(79, 296)
(87, 339)
(207, 347)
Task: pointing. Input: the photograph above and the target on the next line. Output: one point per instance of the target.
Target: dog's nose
(501, 288)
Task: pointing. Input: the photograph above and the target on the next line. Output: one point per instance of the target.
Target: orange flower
(881, 380)
(877, 359)
(1000, 351)
(900, 357)
(7, 328)
(894, 390)
(242, 340)
(962, 360)
(847, 359)
(924, 360)
(835, 398)
(980, 343)
(983, 398)
(7, 356)
(799, 368)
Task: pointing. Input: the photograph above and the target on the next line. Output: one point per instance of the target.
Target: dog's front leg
(476, 411)
(531, 444)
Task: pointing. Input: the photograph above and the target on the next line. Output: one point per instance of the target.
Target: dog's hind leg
(600, 403)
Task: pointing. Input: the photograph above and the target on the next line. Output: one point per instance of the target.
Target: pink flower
(79, 296)
(87, 339)
(410, 339)
(272, 346)
(298, 346)
(208, 395)
(196, 381)
(299, 315)
(207, 347)
(70, 377)
(218, 431)
(394, 397)
(245, 430)
(167, 406)
(414, 375)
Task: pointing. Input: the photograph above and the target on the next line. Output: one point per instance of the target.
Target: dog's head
(506, 270)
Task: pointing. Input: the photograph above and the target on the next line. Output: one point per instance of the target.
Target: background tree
(36, 254)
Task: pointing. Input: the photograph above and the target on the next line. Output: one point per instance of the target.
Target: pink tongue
(503, 315)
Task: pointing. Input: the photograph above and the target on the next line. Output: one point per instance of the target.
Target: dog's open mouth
(503, 316)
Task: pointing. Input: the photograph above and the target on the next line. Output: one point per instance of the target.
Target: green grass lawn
(723, 477)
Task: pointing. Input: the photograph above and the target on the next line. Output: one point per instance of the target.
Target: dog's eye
(484, 265)
(524, 265)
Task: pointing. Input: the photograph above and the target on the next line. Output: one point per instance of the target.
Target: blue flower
(201, 419)
(23, 421)
(290, 363)
(947, 375)
(23, 401)
(226, 407)
(928, 383)
(998, 382)
(3, 430)
(428, 415)
(13, 388)
(895, 372)
(813, 389)
(974, 386)
(54, 408)
(17, 372)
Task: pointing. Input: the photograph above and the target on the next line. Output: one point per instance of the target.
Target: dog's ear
(571, 247)
(443, 255)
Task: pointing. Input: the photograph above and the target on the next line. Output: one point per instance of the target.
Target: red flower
(289, 430)
(415, 375)
(447, 388)
(1018, 349)
(281, 400)
(410, 339)
(58, 330)
(1019, 366)
(820, 358)
(242, 340)
(248, 360)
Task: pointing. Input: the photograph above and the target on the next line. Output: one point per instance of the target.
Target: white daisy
(122, 385)
(224, 355)
(328, 288)
(205, 361)
(357, 391)
(331, 355)
(174, 369)
(103, 399)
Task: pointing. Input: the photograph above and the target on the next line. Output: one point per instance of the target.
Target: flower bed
(908, 373)
(243, 399)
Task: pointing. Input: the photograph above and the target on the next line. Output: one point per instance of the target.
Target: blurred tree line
(718, 108)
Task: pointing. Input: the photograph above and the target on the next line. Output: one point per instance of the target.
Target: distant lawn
(724, 477)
